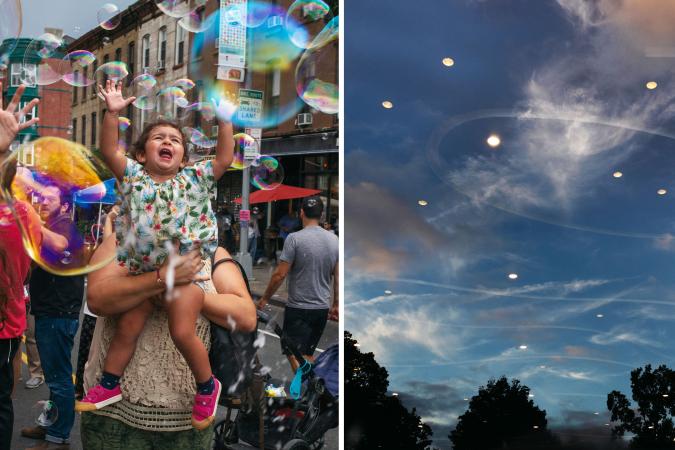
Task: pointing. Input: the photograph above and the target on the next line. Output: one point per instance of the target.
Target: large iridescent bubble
(43, 54)
(74, 65)
(265, 59)
(11, 19)
(316, 84)
(54, 174)
(305, 19)
(267, 173)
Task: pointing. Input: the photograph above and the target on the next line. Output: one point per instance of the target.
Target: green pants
(106, 433)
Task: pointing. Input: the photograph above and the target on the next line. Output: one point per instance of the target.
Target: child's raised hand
(112, 94)
(224, 109)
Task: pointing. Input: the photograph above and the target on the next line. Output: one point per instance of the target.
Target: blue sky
(563, 84)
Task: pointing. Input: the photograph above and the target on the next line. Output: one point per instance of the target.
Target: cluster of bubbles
(61, 172)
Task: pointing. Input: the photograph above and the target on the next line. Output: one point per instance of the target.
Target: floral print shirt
(154, 213)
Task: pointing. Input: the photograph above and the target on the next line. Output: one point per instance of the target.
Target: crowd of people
(147, 311)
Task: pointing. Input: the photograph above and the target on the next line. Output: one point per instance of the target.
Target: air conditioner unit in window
(160, 65)
(146, 69)
(214, 130)
(304, 119)
(275, 21)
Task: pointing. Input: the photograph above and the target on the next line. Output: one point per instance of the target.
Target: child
(163, 202)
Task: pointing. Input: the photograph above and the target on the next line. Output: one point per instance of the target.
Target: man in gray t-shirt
(310, 259)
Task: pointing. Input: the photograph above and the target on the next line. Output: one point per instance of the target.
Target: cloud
(620, 334)
(387, 235)
(407, 329)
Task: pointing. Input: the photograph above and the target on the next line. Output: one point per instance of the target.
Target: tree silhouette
(501, 416)
(652, 422)
(373, 419)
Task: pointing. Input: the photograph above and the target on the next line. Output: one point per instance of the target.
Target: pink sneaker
(204, 409)
(98, 397)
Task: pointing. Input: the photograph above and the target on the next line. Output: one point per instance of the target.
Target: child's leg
(183, 312)
(129, 328)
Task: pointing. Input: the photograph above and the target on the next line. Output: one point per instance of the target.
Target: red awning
(282, 192)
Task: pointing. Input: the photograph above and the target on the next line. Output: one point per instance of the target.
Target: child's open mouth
(165, 154)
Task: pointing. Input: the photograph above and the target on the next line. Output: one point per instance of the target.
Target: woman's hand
(114, 101)
(186, 269)
(10, 118)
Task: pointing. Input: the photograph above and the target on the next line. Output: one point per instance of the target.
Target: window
(93, 129)
(161, 48)
(73, 130)
(23, 73)
(118, 54)
(84, 131)
(180, 43)
(28, 155)
(146, 52)
(131, 55)
(85, 73)
(93, 72)
(75, 90)
(28, 116)
(273, 86)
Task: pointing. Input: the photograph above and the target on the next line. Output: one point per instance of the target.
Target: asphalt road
(27, 408)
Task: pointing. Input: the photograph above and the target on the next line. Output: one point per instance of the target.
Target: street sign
(244, 215)
(252, 152)
(232, 40)
(250, 106)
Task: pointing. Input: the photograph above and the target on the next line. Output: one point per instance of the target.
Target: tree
(374, 419)
(652, 422)
(501, 416)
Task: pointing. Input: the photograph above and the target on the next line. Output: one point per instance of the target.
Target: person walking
(310, 259)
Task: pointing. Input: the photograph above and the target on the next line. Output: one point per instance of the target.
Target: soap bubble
(185, 84)
(10, 29)
(177, 8)
(43, 52)
(61, 170)
(74, 64)
(144, 88)
(255, 12)
(203, 144)
(320, 90)
(109, 17)
(305, 19)
(49, 414)
(243, 144)
(195, 21)
(113, 71)
(123, 125)
(272, 49)
(267, 173)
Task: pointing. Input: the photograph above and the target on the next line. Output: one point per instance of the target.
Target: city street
(27, 409)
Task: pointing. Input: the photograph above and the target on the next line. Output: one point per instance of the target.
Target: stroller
(280, 423)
